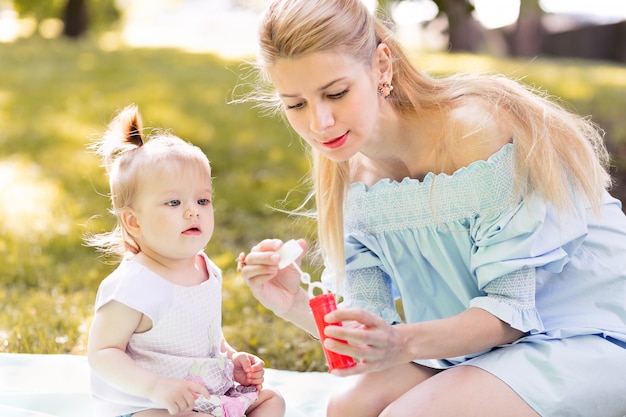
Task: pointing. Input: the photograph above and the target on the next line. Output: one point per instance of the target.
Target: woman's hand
(249, 369)
(276, 289)
(372, 342)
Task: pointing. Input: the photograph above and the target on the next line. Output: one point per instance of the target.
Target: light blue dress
(451, 242)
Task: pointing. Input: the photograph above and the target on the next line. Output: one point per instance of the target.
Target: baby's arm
(248, 368)
(113, 325)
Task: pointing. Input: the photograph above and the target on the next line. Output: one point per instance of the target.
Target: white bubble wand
(289, 252)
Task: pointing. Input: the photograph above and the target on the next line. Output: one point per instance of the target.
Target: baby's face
(174, 212)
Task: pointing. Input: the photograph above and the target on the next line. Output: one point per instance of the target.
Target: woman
(481, 204)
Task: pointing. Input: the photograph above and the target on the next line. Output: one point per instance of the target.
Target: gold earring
(384, 89)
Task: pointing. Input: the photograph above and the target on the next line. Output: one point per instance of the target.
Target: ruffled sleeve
(510, 248)
(366, 285)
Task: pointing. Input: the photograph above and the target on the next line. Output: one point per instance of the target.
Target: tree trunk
(75, 18)
(526, 38)
(464, 32)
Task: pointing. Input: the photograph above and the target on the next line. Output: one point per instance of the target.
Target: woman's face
(330, 100)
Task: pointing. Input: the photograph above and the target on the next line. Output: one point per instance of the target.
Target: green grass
(55, 96)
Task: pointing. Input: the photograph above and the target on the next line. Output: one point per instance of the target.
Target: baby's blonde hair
(129, 159)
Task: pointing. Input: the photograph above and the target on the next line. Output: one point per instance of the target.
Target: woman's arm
(378, 345)
(300, 314)
(471, 331)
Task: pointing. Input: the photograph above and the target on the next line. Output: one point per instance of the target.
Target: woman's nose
(321, 118)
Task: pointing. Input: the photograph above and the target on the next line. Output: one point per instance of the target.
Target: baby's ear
(130, 223)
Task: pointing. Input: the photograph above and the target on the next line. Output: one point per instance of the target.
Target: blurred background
(577, 28)
(67, 67)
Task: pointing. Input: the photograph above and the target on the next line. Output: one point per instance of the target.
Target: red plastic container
(320, 306)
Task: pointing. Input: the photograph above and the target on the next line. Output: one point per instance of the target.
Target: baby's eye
(204, 201)
(173, 203)
(338, 95)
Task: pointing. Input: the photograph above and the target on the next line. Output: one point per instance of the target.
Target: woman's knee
(353, 402)
(369, 394)
(475, 392)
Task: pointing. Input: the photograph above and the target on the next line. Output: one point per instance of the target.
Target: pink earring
(384, 89)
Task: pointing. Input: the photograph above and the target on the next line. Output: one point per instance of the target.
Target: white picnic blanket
(58, 386)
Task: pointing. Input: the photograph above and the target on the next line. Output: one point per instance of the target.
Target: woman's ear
(383, 63)
(130, 223)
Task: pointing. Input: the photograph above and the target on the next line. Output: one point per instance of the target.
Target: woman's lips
(336, 142)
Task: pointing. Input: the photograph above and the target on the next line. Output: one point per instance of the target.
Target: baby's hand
(176, 395)
(248, 370)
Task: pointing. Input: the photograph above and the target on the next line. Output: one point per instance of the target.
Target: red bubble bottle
(320, 305)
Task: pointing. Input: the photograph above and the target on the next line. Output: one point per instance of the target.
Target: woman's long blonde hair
(559, 155)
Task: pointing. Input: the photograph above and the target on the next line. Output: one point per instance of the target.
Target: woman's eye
(294, 106)
(338, 95)
(173, 203)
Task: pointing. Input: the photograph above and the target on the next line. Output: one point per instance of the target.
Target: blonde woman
(156, 346)
(480, 204)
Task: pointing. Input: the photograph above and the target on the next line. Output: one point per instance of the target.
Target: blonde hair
(559, 155)
(129, 158)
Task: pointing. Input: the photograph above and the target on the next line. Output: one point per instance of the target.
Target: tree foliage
(100, 14)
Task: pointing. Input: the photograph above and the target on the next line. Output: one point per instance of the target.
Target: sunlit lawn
(55, 96)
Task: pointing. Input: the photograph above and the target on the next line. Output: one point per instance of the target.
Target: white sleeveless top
(185, 339)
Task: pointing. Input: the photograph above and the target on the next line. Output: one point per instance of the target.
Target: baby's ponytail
(117, 149)
(123, 134)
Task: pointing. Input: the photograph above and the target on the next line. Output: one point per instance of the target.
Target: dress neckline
(430, 177)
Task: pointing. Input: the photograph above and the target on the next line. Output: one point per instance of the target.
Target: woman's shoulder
(477, 129)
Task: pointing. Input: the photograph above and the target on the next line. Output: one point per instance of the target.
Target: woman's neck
(403, 148)
(438, 141)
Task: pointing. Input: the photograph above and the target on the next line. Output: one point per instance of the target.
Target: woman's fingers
(266, 258)
(266, 245)
(368, 339)
(359, 316)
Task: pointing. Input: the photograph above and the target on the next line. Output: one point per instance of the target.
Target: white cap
(289, 252)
